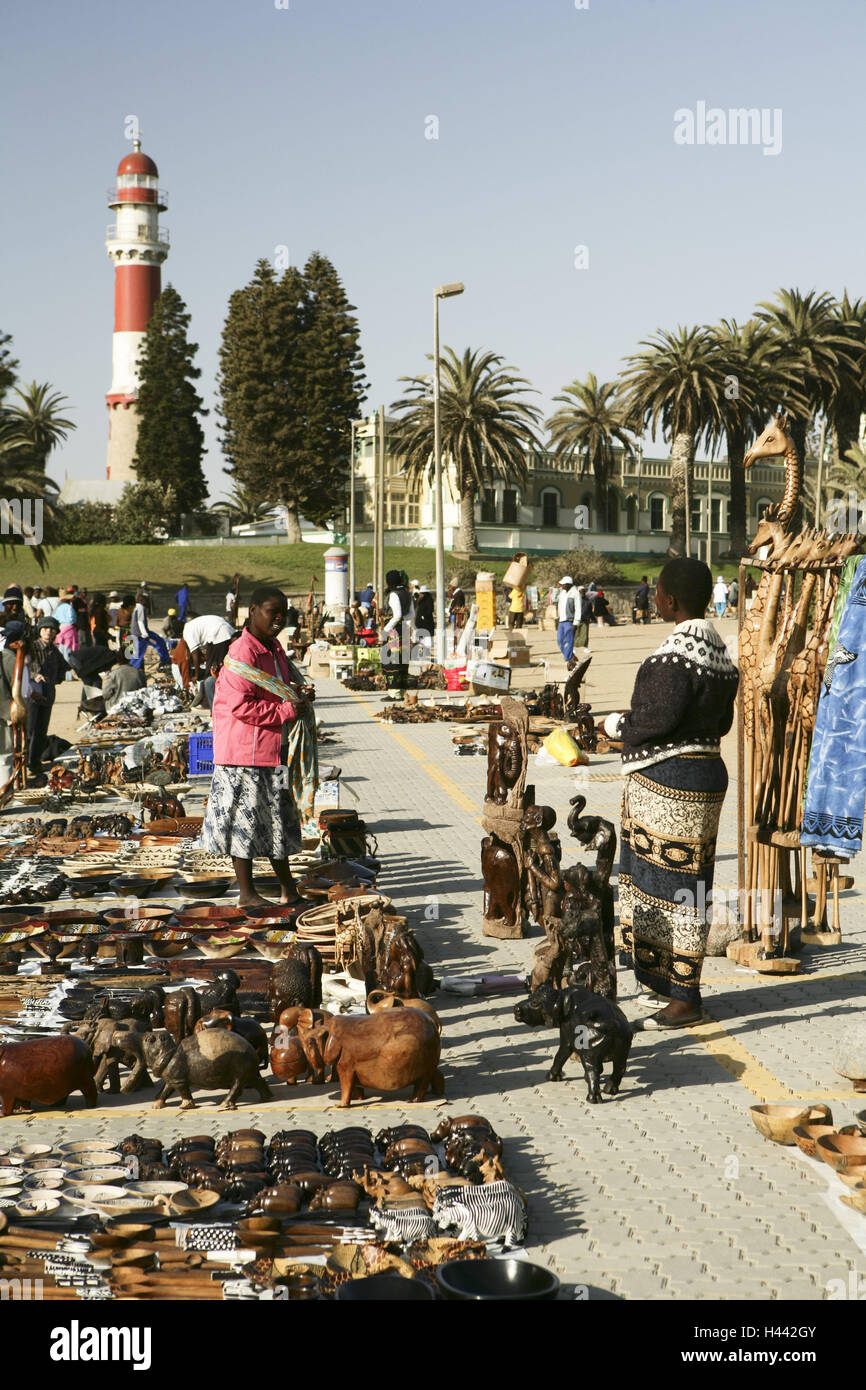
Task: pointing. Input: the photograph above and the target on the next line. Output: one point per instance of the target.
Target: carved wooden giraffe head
(774, 441)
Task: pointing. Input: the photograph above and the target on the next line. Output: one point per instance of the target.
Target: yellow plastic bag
(561, 746)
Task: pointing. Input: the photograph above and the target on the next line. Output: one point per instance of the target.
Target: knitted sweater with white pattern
(683, 700)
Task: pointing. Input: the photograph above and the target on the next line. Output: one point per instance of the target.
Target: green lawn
(207, 568)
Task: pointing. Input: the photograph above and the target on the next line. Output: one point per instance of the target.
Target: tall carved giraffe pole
(780, 653)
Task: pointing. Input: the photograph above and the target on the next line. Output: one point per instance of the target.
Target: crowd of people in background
(101, 640)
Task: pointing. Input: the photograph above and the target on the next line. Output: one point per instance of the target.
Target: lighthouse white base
(122, 441)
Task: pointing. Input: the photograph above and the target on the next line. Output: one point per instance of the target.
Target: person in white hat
(568, 615)
(720, 596)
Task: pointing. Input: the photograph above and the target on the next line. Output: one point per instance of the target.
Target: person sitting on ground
(120, 679)
(601, 610)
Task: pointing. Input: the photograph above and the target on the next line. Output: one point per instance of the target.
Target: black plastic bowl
(384, 1288)
(496, 1279)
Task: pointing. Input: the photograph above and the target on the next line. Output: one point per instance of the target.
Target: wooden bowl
(87, 1146)
(205, 917)
(165, 944)
(856, 1198)
(219, 947)
(157, 913)
(843, 1152)
(120, 1233)
(805, 1136)
(190, 1203)
(778, 1122)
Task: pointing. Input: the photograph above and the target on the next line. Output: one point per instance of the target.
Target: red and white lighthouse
(138, 246)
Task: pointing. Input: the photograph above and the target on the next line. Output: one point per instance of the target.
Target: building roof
(137, 163)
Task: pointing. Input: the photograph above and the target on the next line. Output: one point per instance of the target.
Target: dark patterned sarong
(670, 819)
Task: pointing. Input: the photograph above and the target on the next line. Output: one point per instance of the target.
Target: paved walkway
(667, 1191)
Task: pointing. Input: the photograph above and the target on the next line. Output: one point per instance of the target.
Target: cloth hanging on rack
(836, 790)
(302, 753)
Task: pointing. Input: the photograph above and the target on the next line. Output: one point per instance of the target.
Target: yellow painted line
(452, 789)
(726, 1050)
(745, 1068)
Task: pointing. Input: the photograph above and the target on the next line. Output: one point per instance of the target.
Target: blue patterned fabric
(833, 810)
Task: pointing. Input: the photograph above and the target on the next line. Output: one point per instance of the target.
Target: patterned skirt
(670, 819)
(251, 813)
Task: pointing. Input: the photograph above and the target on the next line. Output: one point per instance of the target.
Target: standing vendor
(675, 783)
(265, 757)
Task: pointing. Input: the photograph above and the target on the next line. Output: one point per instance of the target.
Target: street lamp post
(443, 292)
(352, 576)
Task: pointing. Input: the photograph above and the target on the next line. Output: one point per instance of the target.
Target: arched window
(657, 511)
(588, 501)
(550, 500)
(613, 506)
(631, 512)
(761, 506)
(510, 502)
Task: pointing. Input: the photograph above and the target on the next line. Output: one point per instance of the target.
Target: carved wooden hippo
(45, 1070)
(206, 1061)
(236, 1023)
(385, 1051)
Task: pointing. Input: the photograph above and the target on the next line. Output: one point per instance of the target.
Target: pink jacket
(247, 719)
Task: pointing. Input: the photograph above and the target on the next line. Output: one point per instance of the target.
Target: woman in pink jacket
(253, 808)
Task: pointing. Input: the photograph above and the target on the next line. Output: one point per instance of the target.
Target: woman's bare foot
(253, 900)
(291, 899)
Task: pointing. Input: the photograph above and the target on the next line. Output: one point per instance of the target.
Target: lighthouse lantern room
(138, 246)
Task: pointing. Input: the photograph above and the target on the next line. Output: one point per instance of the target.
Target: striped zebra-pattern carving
(403, 1225)
(493, 1211)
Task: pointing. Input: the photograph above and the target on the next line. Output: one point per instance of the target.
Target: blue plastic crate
(200, 754)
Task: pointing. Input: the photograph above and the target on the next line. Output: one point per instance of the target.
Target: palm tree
(23, 483)
(810, 335)
(842, 478)
(850, 401)
(676, 384)
(757, 379)
(240, 505)
(587, 430)
(486, 428)
(38, 417)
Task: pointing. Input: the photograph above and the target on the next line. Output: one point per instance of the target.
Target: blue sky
(306, 126)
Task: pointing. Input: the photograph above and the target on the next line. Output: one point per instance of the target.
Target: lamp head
(446, 291)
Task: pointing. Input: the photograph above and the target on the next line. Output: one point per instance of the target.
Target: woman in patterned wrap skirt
(682, 705)
(264, 775)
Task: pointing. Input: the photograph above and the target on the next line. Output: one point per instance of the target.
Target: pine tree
(334, 384)
(170, 441)
(289, 382)
(8, 365)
